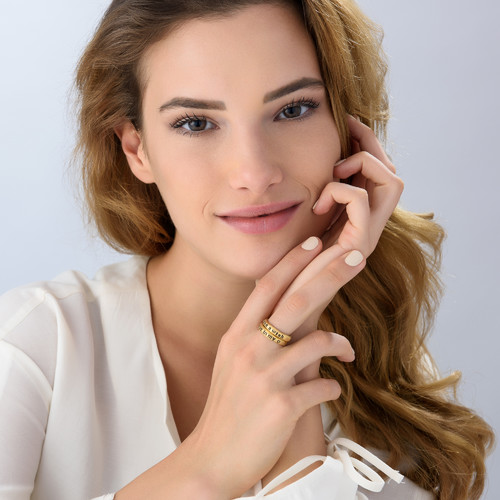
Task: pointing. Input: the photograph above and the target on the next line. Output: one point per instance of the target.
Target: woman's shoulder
(33, 316)
(20, 302)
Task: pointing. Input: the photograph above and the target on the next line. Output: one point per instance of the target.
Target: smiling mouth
(260, 220)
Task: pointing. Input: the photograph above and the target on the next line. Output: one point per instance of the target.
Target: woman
(236, 118)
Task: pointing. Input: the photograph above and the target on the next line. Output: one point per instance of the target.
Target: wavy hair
(393, 398)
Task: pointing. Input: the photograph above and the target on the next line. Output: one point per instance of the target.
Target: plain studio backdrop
(444, 83)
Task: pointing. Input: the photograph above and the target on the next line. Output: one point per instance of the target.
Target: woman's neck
(191, 301)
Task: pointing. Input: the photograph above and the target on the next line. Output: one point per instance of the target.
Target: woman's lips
(260, 219)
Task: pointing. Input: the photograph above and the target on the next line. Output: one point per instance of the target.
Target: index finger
(368, 141)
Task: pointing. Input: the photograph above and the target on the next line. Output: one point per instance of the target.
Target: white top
(83, 398)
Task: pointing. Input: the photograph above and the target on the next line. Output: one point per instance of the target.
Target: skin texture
(225, 378)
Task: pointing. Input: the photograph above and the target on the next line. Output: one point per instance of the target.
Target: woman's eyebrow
(188, 102)
(301, 83)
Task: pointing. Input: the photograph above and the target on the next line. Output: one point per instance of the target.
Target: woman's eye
(192, 125)
(296, 110)
(196, 125)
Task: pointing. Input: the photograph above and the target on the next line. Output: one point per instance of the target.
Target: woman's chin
(253, 265)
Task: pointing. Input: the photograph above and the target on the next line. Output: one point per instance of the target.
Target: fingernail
(315, 205)
(311, 243)
(340, 162)
(353, 353)
(354, 258)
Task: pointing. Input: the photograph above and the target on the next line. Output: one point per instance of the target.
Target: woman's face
(238, 136)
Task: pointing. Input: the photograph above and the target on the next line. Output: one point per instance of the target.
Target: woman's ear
(133, 147)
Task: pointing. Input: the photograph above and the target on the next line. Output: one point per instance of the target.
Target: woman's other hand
(369, 199)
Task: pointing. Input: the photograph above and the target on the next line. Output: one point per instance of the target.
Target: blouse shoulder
(19, 303)
(33, 315)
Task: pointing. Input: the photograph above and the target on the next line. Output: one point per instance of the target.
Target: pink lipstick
(260, 219)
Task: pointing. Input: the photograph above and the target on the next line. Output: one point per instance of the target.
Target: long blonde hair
(392, 397)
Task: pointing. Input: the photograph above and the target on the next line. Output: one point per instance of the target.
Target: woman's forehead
(260, 43)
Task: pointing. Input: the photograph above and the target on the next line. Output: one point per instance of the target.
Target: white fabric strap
(294, 469)
(359, 472)
(371, 480)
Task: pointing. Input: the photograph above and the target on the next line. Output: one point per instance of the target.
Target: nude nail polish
(311, 243)
(354, 258)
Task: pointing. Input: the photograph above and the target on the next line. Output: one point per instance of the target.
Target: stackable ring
(277, 333)
(270, 336)
(268, 331)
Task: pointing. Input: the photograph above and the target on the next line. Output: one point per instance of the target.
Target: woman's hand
(254, 402)
(361, 210)
(369, 199)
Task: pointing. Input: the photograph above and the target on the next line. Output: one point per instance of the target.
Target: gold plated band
(277, 333)
(271, 336)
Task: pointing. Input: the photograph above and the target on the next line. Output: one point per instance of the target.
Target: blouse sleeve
(337, 478)
(326, 482)
(25, 396)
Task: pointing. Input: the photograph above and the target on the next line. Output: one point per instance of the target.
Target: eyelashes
(191, 124)
(289, 111)
(195, 123)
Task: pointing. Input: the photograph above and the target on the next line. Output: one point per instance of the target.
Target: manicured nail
(311, 243)
(340, 162)
(354, 258)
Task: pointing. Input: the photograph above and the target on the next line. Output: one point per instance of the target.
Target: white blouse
(83, 397)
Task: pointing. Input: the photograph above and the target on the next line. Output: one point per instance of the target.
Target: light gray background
(444, 81)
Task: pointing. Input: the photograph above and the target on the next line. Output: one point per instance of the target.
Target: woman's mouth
(260, 219)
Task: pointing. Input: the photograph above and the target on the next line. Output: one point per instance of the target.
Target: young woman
(230, 146)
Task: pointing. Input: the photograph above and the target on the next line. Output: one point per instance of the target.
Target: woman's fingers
(273, 284)
(314, 392)
(312, 348)
(386, 187)
(356, 230)
(369, 201)
(316, 287)
(367, 141)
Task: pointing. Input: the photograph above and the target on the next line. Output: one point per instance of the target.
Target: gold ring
(272, 337)
(277, 333)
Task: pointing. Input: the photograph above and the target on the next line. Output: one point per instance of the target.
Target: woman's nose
(252, 164)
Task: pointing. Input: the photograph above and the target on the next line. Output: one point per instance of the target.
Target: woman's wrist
(306, 440)
(179, 476)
